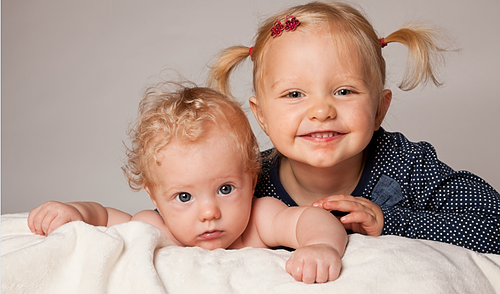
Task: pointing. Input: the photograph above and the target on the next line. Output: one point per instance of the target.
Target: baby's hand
(47, 217)
(318, 263)
(363, 216)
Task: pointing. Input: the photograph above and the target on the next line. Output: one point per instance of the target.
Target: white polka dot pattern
(440, 204)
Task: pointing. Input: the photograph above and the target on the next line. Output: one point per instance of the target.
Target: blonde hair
(350, 30)
(186, 113)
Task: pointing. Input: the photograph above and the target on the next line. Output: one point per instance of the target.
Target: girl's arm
(363, 216)
(44, 219)
(318, 237)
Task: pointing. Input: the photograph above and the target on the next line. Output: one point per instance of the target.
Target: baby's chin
(213, 244)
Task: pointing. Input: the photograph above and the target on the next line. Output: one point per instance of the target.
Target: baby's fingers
(54, 224)
(46, 224)
(38, 219)
(307, 271)
(323, 274)
(294, 267)
(31, 219)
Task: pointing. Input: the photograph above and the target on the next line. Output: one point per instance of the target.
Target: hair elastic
(382, 42)
(291, 24)
(250, 50)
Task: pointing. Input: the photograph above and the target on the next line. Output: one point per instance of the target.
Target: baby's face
(203, 192)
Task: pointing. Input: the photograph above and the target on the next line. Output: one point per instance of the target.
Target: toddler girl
(194, 152)
(319, 79)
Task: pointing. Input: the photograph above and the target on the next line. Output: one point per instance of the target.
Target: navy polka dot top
(420, 196)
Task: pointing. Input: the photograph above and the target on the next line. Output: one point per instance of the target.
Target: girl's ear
(385, 102)
(257, 112)
(150, 195)
(254, 182)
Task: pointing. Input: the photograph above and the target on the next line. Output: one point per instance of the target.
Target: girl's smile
(314, 102)
(322, 136)
(318, 110)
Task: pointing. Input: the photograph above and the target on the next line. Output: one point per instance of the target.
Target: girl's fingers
(360, 217)
(349, 205)
(339, 197)
(363, 216)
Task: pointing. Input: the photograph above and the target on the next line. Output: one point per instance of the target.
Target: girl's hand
(318, 263)
(363, 216)
(47, 217)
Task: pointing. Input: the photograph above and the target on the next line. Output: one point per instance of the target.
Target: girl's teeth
(323, 135)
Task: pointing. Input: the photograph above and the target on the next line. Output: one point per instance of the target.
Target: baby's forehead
(212, 134)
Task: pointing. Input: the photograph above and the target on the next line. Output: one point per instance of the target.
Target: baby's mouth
(211, 234)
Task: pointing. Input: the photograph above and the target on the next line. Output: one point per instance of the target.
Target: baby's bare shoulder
(154, 218)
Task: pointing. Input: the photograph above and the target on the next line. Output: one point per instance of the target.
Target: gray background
(73, 73)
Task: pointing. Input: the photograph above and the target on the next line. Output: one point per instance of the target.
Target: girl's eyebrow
(342, 78)
(281, 81)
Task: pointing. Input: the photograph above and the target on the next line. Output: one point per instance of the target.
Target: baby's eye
(343, 92)
(226, 189)
(294, 94)
(183, 197)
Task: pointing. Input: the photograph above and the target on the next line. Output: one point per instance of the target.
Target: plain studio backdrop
(73, 73)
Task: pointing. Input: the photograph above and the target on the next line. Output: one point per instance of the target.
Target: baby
(194, 152)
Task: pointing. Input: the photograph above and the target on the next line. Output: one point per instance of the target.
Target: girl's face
(203, 192)
(314, 104)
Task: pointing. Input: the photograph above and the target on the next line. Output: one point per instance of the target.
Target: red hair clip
(277, 29)
(291, 24)
(382, 42)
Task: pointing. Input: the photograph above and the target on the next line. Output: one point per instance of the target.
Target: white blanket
(135, 258)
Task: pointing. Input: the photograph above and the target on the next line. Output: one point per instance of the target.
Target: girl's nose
(209, 210)
(321, 109)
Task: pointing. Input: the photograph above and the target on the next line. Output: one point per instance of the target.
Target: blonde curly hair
(187, 112)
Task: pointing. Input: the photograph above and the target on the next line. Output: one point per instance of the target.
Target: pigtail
(221, 70)
(423, 54)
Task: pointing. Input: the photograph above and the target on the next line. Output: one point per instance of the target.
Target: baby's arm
(44, 219)
(319, 238)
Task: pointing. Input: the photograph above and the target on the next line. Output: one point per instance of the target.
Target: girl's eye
(343, 92)
(183, 197)
(226, 189)
(294, 94)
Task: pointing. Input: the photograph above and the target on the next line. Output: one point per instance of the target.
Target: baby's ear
(383, 107)
(257, 112)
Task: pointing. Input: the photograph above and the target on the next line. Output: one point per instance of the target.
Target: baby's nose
(209, 210)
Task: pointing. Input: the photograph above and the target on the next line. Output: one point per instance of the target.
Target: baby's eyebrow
(175, 190)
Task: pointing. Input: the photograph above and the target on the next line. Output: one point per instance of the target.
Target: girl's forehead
(303, 50)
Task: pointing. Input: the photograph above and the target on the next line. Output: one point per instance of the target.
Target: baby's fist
(318, 263)
(47, 217)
